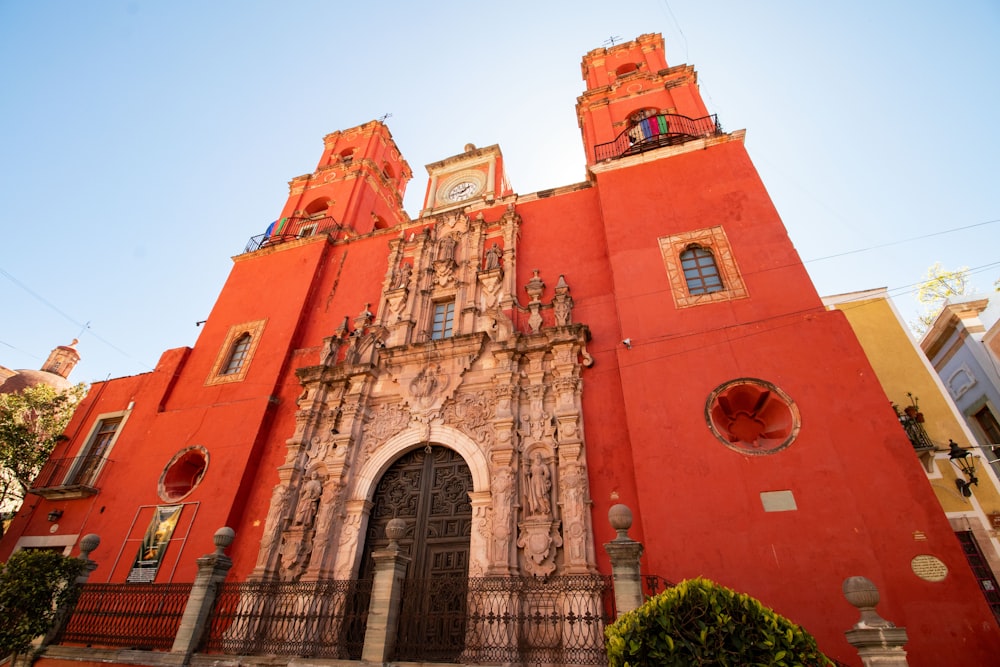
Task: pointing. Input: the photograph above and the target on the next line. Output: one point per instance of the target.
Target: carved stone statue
(305, 511)
(403, 276)
(539, 485)
(493, 257)
(446, 249)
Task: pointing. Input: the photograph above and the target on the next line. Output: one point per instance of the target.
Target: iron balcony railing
(660, 130)
(911, 421)
(289, 229)
(56, 473)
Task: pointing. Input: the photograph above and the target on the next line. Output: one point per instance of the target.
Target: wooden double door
(429, 489)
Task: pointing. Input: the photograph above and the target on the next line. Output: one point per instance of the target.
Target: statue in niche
(493, 257)
(539, 486)
(402, 276)
(305, 511)
(446, 249)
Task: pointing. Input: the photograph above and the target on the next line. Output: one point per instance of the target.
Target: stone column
(387, 594)
(624, 553)
(212, 571)
(878, 641)
(87, 545)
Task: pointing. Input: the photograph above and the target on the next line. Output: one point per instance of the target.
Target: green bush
(33, 585)
(699, 622)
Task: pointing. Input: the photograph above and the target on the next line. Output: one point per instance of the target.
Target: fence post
(212, 570)
(387, 589)
(87, 545)
(878, 641)
(624, 553)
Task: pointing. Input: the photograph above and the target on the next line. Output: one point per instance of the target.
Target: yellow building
(910, 381)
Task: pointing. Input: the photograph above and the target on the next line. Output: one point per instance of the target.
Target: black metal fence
(137, 616)
(322, 619)
(912, 423)
(518, 620)
(521, 620)
(656, 131)
(293, 228)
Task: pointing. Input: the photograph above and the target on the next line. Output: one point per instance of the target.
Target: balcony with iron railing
(291, 229)
(69, 478)
(656, 131)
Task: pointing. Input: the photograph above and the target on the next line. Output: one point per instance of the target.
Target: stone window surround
(715, 241)
(255, 329)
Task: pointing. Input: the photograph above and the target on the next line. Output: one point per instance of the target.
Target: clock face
(462, 190)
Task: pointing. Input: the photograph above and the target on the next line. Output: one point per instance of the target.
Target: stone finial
(535, 286)
(394, 530)
(620, 518)
(88, 543)
(863, 594)
(223, 538)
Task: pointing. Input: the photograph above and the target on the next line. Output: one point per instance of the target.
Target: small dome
(23, 378)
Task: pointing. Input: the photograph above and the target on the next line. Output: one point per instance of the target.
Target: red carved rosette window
(752, 416)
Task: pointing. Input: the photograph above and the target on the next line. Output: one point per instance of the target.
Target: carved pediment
(429, 374)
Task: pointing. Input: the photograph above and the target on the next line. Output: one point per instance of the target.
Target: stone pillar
(878, 641)
(212, 571)
(624, 553)
(387, 589)
(87, 545)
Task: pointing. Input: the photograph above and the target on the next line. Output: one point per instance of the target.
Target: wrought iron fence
(654, 584)
(323, 619)
(137, 616)
(656, 131)
(559, 620)
(290, 229)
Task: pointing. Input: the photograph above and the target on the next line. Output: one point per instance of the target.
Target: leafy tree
(939, 284)
(31, 423)
(34, 585)
(699, 622)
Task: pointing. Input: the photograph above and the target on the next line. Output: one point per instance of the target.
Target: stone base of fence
(79, 656)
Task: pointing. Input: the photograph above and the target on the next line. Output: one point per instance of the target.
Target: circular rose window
(183, 473)
(752, 416)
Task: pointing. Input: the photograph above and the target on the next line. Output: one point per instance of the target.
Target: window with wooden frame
(701, 267)
(94, 455)
(700, 271)
(444, 320)
(234, 357)
(237, 355)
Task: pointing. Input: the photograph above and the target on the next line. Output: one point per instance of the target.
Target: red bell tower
(633, 100)
(358, 185)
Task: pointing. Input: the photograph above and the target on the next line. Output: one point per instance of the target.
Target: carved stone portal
(509, 399)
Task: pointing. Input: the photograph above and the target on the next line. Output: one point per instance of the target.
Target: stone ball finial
(394, 530)
(620, 518)
(863, 594)
(223, 538)
(88, 543)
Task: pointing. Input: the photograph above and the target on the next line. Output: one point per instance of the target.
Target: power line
(900, 241)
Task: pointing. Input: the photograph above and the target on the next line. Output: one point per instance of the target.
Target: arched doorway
(428, 488)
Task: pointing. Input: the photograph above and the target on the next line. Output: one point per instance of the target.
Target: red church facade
(646, 337)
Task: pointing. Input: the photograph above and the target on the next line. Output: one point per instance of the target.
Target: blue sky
(143, 143)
